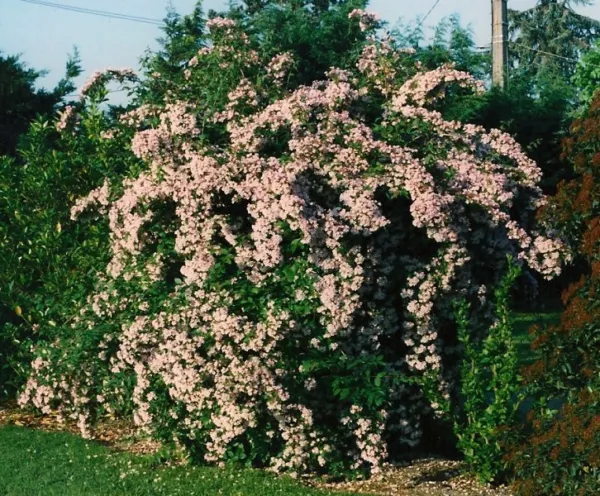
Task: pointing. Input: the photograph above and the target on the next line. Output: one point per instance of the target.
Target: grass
(521, 336)
(34, 462)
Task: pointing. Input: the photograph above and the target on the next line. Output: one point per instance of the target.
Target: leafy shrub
(282, 268)
(21, 102)
(559, 452)
(587, 76)
(48, 262)
(490, 387)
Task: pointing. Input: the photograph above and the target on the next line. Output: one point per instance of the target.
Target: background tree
(317, 33)
(255, 6)
(451, 43)
(549, 39)
(21, 101)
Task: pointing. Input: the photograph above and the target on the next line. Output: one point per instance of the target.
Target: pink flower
(367, 20)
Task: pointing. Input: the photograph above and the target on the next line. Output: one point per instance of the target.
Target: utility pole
(499, 42)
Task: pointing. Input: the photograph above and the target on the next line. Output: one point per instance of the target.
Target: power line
(545, 53)
(95, 12)
(100, 13)
(109, 91)
(425, 18)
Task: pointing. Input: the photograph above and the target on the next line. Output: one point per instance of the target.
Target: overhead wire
(422, 21)
(570, 59)
(73, 95)
(550, 54)
(100, 13)
(544, 52)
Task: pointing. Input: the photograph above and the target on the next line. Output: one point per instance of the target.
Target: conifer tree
(550, 37)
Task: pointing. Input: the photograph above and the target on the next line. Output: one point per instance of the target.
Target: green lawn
(522, 323)
(33, 462)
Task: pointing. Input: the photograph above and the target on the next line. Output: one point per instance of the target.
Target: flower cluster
(279, 66)
(66, 118)
(98, 197)
(220, 23)
(367, 20)
(100, 78)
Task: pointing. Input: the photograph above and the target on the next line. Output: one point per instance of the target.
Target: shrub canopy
(285, 259)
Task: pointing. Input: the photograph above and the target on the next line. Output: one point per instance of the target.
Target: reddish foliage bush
(558, 451)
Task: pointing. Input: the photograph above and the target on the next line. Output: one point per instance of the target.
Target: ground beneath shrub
(432, 477)
(426, 477)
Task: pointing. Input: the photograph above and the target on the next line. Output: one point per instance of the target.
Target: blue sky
(44, 36)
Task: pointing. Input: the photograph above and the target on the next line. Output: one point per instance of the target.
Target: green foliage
(490, 386)
(550, 37)
(587, 76)
(47, 261)
(21, 102)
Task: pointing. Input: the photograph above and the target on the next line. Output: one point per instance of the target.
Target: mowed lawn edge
(34, 462)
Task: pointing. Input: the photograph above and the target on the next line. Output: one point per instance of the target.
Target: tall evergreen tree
(549, 38)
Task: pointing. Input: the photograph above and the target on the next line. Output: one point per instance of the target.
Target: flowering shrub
(559, 451)
(284, 268)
